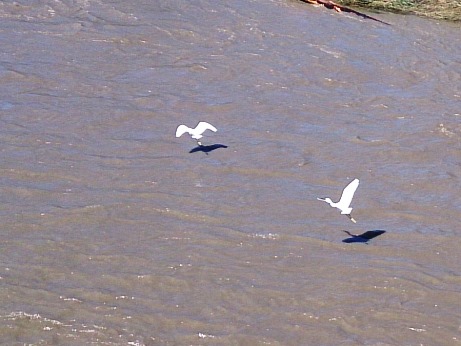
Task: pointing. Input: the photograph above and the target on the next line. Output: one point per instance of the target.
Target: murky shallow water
(114, 233)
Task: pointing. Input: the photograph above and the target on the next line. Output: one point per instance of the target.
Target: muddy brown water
(114, 232)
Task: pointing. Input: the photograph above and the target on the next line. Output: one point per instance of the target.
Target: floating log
(340, 8)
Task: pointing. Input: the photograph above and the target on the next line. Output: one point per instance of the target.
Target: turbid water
(115, 232)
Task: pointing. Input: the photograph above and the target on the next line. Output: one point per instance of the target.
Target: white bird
(197, 132)
(346, 198)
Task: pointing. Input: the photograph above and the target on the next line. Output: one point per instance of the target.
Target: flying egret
(346, 198)
(197, 132)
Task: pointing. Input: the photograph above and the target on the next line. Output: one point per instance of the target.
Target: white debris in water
(443, 129)
(20, 314)
(271, 236)
(203, 336)
(70, 299)
(123, 297)
(135, 343)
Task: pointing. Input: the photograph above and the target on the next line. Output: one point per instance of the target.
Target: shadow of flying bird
(207, 148)
(364, 237)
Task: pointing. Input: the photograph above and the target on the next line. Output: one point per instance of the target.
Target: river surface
(115, 232)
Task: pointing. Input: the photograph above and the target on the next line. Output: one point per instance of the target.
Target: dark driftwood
(340, 8)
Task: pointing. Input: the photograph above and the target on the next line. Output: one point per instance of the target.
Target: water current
(114, 232)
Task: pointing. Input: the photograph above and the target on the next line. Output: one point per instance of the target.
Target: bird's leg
(350, 217)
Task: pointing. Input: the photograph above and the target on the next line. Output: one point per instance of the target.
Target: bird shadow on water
(364, 237)
(207, 148)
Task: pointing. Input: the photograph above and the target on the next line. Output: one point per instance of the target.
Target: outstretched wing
(348, 194)
(203, 126)
(182, 129)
